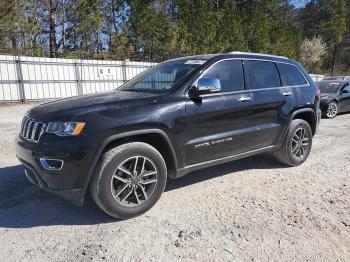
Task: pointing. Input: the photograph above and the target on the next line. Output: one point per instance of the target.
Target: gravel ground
(249, 210)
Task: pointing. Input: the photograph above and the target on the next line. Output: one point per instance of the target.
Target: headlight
(65, 128)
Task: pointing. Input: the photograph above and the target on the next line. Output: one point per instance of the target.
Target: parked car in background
(335, 97)
(177, 117)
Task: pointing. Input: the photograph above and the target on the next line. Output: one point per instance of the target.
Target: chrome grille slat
(42, 130)
(22, 125)
(25, 126)
(32, 130)
(28, 129)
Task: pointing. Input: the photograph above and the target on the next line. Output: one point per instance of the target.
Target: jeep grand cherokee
(177, 117)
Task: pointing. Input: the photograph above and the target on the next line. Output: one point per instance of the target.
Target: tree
(157, 30)
(18, 32)
(152, 30)
(121, 48)
(327, 18)
(333, 27)
(53, 22)
(312, 51)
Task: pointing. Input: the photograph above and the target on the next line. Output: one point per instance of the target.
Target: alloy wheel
(332, 110)
(134, 181)
(300, 142)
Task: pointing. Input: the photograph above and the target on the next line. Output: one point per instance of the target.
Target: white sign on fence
(106, 72)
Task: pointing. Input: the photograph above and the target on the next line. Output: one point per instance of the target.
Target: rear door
(273, 100)
(220, 124)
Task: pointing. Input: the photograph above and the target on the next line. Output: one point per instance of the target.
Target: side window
(230, 74)
(347, 87)
(290, 75)
(262, 74)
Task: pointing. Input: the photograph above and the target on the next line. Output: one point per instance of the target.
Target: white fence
(317, 78)
(35, 78)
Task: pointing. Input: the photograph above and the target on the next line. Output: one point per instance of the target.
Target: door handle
(244, 99)
(287, 93)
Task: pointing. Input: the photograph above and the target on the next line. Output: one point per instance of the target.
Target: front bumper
(76, 196)
(67, 182)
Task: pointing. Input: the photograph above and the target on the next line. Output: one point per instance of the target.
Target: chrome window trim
(247, 90)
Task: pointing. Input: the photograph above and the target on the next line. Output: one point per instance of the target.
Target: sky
(299, 3)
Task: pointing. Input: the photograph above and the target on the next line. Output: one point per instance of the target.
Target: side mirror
(345, 91)
(206, 85)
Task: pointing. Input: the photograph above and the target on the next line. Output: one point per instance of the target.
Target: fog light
(51, 164)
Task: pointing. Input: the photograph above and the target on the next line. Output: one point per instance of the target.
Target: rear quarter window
(290, 75)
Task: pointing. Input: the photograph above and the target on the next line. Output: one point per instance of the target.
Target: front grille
(32, 130)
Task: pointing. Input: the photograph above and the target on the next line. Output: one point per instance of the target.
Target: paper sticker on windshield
(195, 62)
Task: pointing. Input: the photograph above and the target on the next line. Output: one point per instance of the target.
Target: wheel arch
(154, 137)
(335, 100)
(308, 115)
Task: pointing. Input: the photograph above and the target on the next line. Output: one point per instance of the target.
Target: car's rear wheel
(297, 144)
(332, 110)
(129, 180)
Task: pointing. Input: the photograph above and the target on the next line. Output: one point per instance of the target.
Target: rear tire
(297, 144)
(129, 180)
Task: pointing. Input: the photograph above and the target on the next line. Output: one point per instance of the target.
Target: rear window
(262, 74)
(290, 75)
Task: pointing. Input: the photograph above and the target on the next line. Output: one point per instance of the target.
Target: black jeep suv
(179, 116)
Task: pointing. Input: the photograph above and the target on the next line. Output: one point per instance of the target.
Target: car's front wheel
(129, 180)
(296, 146)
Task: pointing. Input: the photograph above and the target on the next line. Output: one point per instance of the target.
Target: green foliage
(328, 19)
(17, 29)
(121, 48)
(156, 30)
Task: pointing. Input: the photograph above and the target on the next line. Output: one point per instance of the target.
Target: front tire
(332, 110)
(296, 146)
(129, 180)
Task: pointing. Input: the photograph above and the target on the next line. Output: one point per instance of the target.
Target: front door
(344, 99)
(220, 124)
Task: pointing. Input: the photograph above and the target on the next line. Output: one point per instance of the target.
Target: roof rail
(257, 54)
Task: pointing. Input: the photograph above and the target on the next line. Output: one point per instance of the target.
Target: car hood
(326, 96)
(88, 103)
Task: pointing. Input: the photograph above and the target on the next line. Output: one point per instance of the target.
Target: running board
(188, 169)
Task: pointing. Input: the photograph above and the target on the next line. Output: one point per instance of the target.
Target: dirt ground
(249, 210)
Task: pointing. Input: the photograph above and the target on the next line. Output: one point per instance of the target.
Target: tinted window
(262, 74)
(162, 77)
(347, 87)
(230, 74)
(290, 75)
(329, 86)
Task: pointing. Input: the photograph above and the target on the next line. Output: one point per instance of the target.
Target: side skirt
(191, 168)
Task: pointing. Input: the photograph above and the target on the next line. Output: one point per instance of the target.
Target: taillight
(318, 92)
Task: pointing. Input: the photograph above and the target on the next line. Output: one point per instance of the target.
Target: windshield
(162, 77)
(329, 86)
